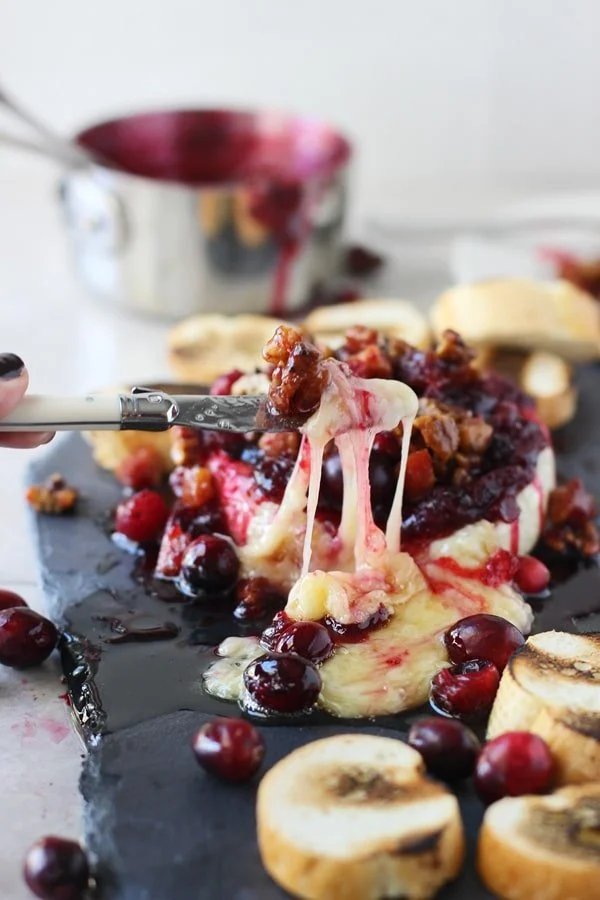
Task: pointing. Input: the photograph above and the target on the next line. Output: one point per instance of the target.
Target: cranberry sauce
(200, 147)
(477, 476)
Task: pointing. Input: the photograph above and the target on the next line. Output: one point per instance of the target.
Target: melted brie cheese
(350, 575)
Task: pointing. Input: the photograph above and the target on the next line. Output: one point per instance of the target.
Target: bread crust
(385, 865)
(515, 867)
(203, 347)
(391, 318)
(572, 732)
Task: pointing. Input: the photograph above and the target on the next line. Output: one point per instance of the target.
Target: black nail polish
(11, 366)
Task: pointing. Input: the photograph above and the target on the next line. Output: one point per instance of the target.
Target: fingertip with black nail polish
(11, 366)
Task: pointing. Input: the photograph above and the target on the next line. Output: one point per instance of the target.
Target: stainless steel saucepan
(175, 212)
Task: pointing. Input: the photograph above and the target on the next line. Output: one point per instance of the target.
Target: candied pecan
(278, 442)
(570, 520)
(584, 539)
(298, 379)
(187, 447)
(474, 435)
(54, 497)
(570, 503)
(465, 465)
(439, 432)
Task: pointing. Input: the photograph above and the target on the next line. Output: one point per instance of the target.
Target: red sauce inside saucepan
(201, 147)
(274, 157)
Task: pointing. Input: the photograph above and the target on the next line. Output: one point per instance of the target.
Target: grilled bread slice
(551, 686)
(543, 848)
(549, 380)
(203, 347)
(353, 817)
(533, 315)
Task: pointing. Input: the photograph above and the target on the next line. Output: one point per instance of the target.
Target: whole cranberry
(282, 683)
(142, 517)
(310, 640)
(449, 748)
(233, 749)
(387, 443)
(210, 565)
(26, 638)
(532, 576)
(273, 632)
(332, 481)
(141, 469)
(56, 869)
(204, 520)
(383, 479)
(466, 691)
(8, 599)
(513, 764)
(483, 636)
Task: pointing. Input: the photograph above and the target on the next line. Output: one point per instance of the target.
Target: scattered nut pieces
(571, 525)
(55, 497)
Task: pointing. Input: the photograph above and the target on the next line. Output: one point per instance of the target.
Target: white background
(473, 94)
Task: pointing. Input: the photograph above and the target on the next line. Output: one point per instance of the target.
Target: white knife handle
(44, 413)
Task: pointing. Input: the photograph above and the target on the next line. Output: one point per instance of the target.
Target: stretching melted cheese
(391, 668)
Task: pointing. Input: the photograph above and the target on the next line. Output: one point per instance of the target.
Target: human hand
(13, 384)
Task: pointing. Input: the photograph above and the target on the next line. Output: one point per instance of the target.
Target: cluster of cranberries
(516, 763)
(286, 679)
(510, 765)
(54, 869)
(479, 648)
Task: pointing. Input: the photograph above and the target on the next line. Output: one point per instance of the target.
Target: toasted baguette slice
(353, 817)
(533, 315)
(543, 848)
(205, 346)
(549, 380)
(552, 687)
(393, 318)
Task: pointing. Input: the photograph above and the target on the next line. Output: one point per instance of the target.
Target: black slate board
(160, 828)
